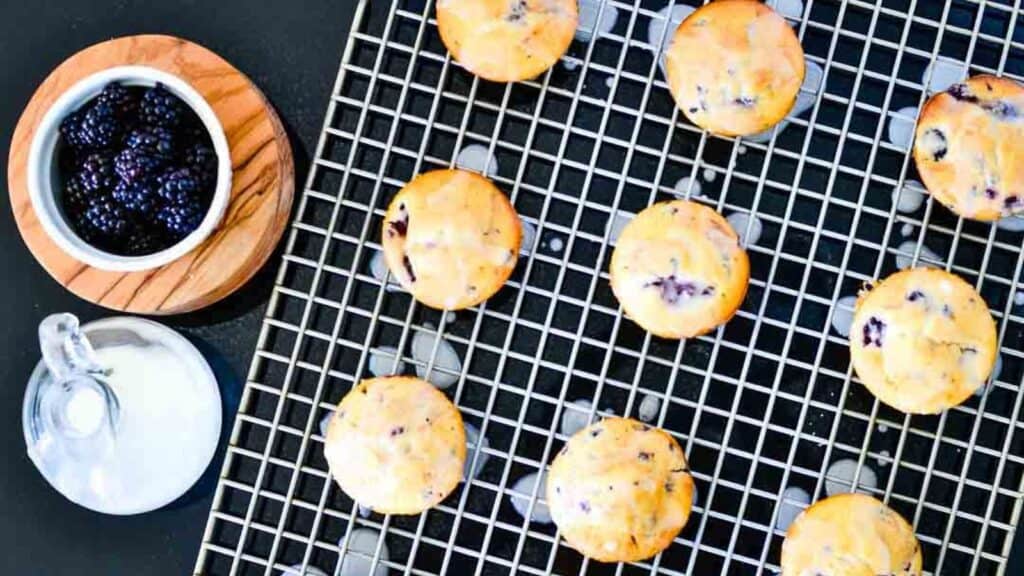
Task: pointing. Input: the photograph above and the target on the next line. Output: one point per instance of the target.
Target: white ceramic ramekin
(44, 177)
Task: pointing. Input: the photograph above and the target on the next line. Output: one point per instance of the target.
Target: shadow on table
(257, 290)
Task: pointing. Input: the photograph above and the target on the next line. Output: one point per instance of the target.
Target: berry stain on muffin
(138, 170)
(407, 264)
(1000, 109)
(516, 11)
(675, 290)
(874, 332)
(962, 92)
(934, 143)
(400, 225)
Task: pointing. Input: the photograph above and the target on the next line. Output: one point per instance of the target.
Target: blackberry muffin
(451, 238)
(396, 445)
(507, 40)
(620, 490)
(678, 269)
(735, 67)
(922, 340)
(969, 147)
(850, 535)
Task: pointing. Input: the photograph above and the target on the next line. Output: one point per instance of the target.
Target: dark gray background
(291, 50)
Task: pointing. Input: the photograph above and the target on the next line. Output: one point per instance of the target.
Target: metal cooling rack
(767, 402)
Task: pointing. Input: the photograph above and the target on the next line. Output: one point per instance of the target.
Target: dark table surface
(291, 50)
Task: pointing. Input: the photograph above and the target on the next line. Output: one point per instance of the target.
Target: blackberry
(153, 140)
(180, 187)
(135, 164)
(76, 197)
(99, 128)
(192, 130)
(161, 108)
(82, 228)
(123, 101)
(68, 159)
(107, 218)
(180, 220)
(97, 173)
(202, 160)
(141, 243)
(70, 130)
(139, 196)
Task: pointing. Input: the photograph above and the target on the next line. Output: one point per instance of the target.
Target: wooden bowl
(261, 194)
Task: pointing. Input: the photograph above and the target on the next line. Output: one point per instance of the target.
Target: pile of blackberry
(138, 170)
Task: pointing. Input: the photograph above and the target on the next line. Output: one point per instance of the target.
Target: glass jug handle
(66, 350)
(77, 402)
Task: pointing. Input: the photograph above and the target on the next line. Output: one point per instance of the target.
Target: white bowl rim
(43, 149)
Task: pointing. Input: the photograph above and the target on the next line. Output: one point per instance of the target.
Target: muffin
(735, 67)
(451, 238)
(396, 445)
(850, 535)
(507, 40)
(922, 340)
(678, 269)
(620, 490)
(969, 147)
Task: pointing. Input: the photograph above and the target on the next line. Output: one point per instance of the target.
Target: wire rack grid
(767, 407)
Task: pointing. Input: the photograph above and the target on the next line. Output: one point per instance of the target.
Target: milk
(170, 421)
(165, 422)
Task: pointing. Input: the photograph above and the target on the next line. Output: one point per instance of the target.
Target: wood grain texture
(261, 194)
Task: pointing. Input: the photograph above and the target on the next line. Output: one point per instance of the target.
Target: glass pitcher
(121, 416)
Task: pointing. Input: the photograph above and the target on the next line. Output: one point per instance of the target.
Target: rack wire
(763, 406)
